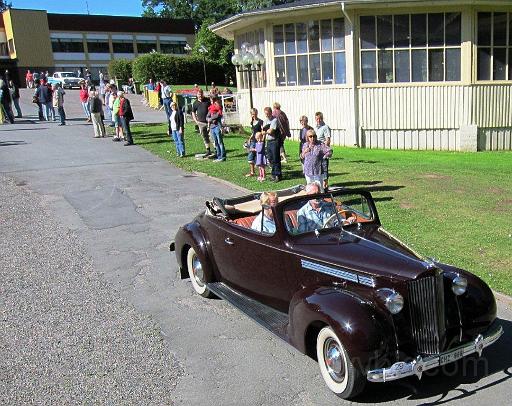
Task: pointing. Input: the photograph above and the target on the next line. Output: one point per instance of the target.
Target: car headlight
(459, 285)
(393, 300)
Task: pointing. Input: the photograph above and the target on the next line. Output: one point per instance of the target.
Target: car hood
(370, 250)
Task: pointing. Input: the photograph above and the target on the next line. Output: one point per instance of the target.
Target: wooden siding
(435, 140)
(493, 105)
(495, 139)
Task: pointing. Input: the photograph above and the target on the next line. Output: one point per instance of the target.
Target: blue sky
(106, 7)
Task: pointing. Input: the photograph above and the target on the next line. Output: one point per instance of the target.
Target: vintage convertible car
(333, 283)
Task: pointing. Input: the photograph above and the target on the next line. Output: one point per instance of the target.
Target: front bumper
(400, 370)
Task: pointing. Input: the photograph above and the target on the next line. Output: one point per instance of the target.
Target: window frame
(62, 41)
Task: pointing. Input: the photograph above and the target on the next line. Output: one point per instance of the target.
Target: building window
(145, 47)
(10, 45)
(122, 46)
(99, 46)
(256, 41)
(410, 48)
(172, 47)
(67, 45)
(494, 57)
(4, 50)
(310, 53)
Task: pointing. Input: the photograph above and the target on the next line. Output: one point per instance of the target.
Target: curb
(501, 297)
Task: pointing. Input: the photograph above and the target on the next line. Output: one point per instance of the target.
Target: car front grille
(426, 306)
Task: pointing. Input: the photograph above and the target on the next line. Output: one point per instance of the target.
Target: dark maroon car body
(295, 285)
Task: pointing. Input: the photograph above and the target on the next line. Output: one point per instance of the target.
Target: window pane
(401, 25)
(499, 68)
(452, 21)
(146, 47)
(326, 32)
(314, 69)
(419, 65)
(340, 67)
(327, 73)
(435, 29)
(280, 75)
(123, 47)
(98, 47)
(385, 66)
(418, 30)
(384, 31)
(368, 68)
(367, 32)
(313, 36)
(302, 38)
(402, 66)
(289, 30)
(509, 65)
(339, 33)
(500, 29)
(453, 64)
(484, 29)
(435, 65)
(291, 71)
(278, 40)
(484, 64)
(302, 64)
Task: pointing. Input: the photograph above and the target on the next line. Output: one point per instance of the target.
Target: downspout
(355, 92)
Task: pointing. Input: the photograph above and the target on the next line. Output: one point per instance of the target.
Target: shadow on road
(9, 143)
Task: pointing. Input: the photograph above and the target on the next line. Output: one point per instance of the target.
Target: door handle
(229, 241)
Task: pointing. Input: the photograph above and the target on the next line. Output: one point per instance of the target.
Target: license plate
(451, 356)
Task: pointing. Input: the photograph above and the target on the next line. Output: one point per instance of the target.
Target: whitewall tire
(196, 273)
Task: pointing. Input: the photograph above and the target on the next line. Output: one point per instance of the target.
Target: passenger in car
(264, 222)
(315, 213)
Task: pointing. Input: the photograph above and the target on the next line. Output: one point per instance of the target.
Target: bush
(120, 69)
(176, 69)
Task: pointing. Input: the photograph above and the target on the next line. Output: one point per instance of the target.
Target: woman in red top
(84, 99)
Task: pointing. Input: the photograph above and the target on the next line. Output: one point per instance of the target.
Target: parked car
(345, 291)
(66, 79)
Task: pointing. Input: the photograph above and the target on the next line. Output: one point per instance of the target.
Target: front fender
(192, 236)
(364, 330)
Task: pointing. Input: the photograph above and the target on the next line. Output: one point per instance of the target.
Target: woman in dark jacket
(125, 116)
(177, 129)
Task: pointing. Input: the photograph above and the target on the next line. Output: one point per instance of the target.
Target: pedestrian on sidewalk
(5, 100)
(96, 109)
(125, 116)
(15, 95)
(84, 99)
(58, 102)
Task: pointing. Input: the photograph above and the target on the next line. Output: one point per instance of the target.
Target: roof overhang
(227, 27)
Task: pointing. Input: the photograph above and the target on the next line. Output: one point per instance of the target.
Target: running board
(273, 320)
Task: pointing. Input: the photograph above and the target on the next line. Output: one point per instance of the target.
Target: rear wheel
(196, 273)
(340, 375)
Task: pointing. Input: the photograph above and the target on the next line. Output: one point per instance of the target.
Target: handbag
(35, 99)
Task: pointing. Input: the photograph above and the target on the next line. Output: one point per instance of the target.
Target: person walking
(58, 102)
(5, 101)
(44, 96)
(177, 129)
(125, 116)
(96, 108)
(84, 99)
(15, 95)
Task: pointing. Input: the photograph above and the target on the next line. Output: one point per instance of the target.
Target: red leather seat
(245, 221)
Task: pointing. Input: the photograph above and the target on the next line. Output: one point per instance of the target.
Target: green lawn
(456, 207)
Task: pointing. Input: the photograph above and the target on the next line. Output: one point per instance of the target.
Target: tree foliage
(120, 69)
(4, 5)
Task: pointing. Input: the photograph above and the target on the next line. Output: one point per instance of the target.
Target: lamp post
(246, 61)
(203, 51)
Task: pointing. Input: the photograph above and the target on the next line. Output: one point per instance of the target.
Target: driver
(315, 213)
(268, 225)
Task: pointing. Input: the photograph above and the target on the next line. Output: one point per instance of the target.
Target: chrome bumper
(400, 370)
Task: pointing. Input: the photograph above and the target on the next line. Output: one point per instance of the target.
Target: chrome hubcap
(334, 360)
(197, 270)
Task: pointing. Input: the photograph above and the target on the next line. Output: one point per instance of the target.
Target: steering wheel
(334, 217)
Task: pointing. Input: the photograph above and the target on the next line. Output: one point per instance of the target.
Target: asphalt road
(92, 311)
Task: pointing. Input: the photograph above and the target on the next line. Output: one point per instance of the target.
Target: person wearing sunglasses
(313, 153)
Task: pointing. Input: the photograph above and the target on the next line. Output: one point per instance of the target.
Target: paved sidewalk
(121, 206)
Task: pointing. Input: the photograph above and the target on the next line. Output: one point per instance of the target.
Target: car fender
(365, 331)
(191, 235)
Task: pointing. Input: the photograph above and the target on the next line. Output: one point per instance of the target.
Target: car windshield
(67, 74)
(325, 211)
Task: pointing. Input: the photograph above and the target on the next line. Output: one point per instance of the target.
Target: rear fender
(191, 236)
(365, 331)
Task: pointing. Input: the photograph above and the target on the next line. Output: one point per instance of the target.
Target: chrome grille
(426, 306)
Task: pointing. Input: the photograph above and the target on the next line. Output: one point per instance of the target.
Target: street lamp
(246, 61)
(203, 51)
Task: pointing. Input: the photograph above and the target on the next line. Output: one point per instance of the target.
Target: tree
(4, 5)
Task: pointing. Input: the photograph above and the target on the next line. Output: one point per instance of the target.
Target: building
(37, 40)
(393, 74)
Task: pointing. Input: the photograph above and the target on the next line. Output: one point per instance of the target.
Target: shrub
(120, 69)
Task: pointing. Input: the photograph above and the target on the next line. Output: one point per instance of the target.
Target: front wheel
(340, 375)
(196, 273)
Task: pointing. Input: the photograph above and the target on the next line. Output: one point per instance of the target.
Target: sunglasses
(311, 136)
